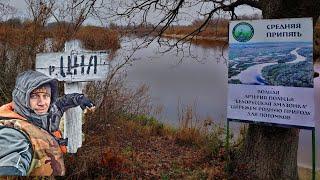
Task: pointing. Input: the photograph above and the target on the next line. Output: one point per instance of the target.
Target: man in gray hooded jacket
(34, 99)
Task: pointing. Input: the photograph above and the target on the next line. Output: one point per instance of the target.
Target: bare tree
(270, 151)
(162, 14)
(40, 11)
(6, 10)
(70, 15)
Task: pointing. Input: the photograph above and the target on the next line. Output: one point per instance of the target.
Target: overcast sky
(185, 19)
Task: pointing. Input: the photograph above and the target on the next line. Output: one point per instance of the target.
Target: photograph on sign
(270, 71)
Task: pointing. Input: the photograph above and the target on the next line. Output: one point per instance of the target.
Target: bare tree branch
(6, 10)
(169, 12)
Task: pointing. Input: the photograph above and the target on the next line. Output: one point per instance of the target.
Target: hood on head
(26, 82)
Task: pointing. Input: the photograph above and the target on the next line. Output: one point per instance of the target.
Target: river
(201, 82)
(252, 75)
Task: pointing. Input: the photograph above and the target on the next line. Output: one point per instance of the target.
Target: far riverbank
(211, 38)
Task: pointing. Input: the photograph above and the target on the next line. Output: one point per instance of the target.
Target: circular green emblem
(242, 32)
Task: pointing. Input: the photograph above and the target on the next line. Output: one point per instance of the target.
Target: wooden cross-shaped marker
(73, 66)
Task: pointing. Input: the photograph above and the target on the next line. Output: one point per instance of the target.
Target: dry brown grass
(214, 28)
(123, 142)
(98, 38)
(18, 47)
(306, 173)
(219, 30)
(131, 148)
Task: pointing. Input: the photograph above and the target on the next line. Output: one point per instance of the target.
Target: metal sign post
(227, 146)
(313, 154)
(73, 67)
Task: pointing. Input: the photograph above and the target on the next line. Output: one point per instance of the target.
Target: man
(30, 140)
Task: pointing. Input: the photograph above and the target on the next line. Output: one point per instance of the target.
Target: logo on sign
(243, 32)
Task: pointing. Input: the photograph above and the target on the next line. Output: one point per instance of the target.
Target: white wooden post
(74, 66)
(73, 119)
(73, 116)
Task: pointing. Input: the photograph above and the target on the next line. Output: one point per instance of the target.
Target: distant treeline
(216, 27)
(103, 38)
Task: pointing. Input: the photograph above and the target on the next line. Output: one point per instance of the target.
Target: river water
(200, 80)
(253, 75)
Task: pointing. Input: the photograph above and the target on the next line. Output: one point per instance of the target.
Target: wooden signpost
(73, 66)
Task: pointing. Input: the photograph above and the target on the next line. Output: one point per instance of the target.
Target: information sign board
(270, 71)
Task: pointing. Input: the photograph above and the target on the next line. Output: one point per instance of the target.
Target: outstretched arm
(73, 100)
(64, 103)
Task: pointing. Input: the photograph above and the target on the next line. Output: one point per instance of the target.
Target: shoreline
(224, 39)
(309, 167)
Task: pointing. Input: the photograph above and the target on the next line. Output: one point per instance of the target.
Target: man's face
(40, 100)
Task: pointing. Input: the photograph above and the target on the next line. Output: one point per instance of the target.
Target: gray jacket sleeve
(15, 152)
(60, 106)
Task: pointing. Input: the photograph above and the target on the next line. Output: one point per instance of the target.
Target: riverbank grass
(306, 173)
(139, 146)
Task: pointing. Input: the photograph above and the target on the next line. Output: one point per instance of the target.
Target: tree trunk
(272, 9)
(271, 152)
